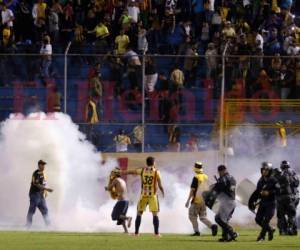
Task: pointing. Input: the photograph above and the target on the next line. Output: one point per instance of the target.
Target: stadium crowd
(261, 38)
(177, 27)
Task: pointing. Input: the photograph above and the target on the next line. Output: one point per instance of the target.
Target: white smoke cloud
(78, 177)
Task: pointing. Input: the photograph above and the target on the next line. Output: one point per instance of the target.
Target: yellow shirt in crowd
(101, 31)
(122, 41)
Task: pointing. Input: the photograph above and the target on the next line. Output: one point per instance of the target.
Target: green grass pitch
(110, 241)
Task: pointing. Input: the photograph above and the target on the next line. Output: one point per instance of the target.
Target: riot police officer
(264, 197)
(225, 189)
(287, 200)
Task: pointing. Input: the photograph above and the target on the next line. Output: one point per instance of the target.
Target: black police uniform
(267, 205)
(225, 187)
(287, 201)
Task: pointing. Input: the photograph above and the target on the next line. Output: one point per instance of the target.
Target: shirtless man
(118, 186)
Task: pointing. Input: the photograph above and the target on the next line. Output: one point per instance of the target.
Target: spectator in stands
(96, 88)
(79, 38)
(101, 31)
(53, 100)
(293, 49)
(199, 12)
(272, 44)
(39, 17)
(7, 16)
(211, 61)
(174, 138)
(192, 143)
(164, 100)
(53, 27)
(6, 36)
(190, 65)
(46, 53)
(142, 39)
(258, 40)
(286, 81)
(90, 24)
(205, 32)
(57, 7)
(23, 21)
(91, 118)
(228, 31)
(121, 43)
(133, 10)
(151, 74)
(67, 25)
(138, 134)
(91, 114)
(134, 68)
(125, 20)
(122, 141)
(263, 82)
(177, 78)
(115, 77)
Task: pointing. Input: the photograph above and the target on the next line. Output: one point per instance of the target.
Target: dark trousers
(227, 230)
(37, 200)
(119, 210)
(264, 215)
(286, 215)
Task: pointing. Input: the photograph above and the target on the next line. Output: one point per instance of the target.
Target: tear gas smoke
(75, 172)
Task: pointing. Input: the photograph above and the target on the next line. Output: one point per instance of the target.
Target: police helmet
(284, 164)
(266, 166)
(276, 172)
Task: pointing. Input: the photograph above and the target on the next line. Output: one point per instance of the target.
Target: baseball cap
(41, 162)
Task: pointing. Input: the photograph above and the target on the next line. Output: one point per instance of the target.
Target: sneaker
(271, 234)
(214, 230)
(195, 234)
(129, 222)
(157, 235)
(233, 236)
(260, 239)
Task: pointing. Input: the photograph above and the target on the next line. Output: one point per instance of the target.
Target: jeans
(37, 200)
(45, 68)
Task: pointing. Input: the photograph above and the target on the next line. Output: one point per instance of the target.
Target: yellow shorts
(152, 201)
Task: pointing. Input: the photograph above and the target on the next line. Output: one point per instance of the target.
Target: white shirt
(134, 12)
(46, 49)
(122, 142)
(293, 50)
(132, 57)
(121, 147)
(260, 39)
(7, 15)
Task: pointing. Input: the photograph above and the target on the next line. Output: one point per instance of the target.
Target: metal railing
(209, 81)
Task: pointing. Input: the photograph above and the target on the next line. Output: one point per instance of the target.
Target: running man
(117, 188)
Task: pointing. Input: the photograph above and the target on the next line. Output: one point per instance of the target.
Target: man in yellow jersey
(196, 202)
(151, 179)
